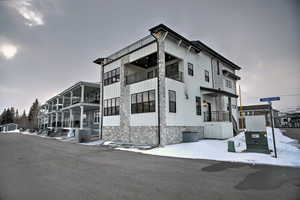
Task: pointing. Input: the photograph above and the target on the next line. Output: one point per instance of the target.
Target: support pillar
(124, 102)
(56, 119)
(161, 90)
(81, 117)
(82, 93)
(62, 118)
(71, 98)
(51, 120)
(71, 119)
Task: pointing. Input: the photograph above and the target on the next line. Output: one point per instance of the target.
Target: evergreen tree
(23, 121)
(33, 115)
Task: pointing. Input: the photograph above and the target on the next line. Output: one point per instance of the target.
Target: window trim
(172, 102)
(139, 106)
(198, 105)
(206, 75)
(109, 109)
(190, 69)
(112, 76)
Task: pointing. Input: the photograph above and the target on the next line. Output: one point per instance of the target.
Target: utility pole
(272, 125)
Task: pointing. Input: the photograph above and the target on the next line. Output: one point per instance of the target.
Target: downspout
(102, 92)
(158, 98)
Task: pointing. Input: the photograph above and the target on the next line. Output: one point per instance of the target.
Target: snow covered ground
(288, 154)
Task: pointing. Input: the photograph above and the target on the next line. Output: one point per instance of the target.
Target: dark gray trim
(219, 91)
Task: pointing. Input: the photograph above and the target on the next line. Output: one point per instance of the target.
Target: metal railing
(142, 76)
(216, 116)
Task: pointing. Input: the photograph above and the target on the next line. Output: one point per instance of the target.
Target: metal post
(272, 125)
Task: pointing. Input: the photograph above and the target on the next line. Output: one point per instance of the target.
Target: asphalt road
(38, 168)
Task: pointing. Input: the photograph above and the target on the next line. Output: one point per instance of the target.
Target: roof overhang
(197, 45)
(230, 75)
(219, 91)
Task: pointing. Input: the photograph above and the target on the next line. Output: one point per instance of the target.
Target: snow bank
(288, 155)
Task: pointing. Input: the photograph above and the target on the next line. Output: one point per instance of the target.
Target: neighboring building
(164, 84)
(75, 107)
(256, 117)
(8, 127)
(288, 120)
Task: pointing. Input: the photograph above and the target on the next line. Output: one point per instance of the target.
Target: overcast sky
(48, 45)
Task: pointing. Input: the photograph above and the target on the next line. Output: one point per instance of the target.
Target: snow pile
(239, 142)
(288, 155)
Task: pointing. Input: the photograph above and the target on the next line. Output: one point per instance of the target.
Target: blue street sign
(269, 99)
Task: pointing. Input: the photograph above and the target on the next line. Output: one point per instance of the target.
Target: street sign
(269, 99)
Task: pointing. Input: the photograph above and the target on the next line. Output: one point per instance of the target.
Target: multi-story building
(75, 107)
(164, 84)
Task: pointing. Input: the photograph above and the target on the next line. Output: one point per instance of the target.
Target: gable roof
(197, 45)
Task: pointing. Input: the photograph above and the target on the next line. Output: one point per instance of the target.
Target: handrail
(216, 116)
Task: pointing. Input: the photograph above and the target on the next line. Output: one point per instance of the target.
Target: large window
(190, 69)
(172, 101)
(111, 77)
(143, 102)
(198, 105)
(206, 75)
(112, 106)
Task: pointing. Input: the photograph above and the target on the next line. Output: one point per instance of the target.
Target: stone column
(124, 102)
(161, 104)
(81, 117)
(82, 93)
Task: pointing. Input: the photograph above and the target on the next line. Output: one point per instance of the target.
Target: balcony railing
(216, 116)
(142, 76)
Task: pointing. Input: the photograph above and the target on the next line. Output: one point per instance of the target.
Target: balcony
(142, 76)
(216, 116)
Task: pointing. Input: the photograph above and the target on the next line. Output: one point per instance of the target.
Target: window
(228, 83)
(198, 105)
(150, 74)
(112, 106)
(111, 77)
(143, 102)
(218, 68)
(172, 101)
(96, 117)
(190, 69)
(206, 76)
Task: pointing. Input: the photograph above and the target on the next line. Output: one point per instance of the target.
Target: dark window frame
(206, 75)
(172, 103)
(111, 77)
(143, 102)
(198, 106)
(111, 106)
(190, 69)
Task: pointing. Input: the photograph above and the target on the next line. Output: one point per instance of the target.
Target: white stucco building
(164, 84)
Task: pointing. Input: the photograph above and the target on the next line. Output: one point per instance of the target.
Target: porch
(217, 113)
(146, 68)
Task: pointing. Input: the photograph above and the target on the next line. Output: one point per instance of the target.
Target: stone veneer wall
(148, 134)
